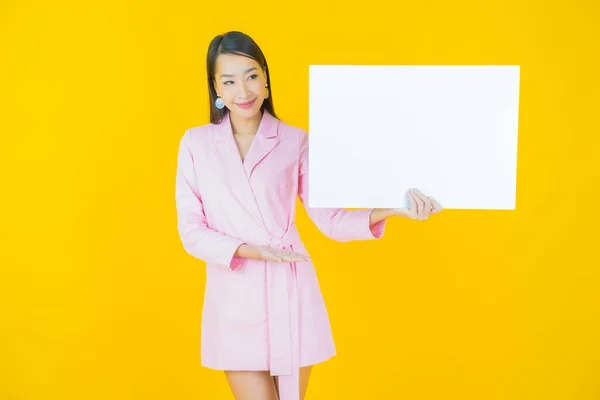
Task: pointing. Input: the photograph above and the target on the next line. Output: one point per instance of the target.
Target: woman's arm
(246, 251)
(338, 224)
(197, 238)
(380, 214)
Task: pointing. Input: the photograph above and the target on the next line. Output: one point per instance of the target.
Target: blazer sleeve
(198, 239)
(339, 224)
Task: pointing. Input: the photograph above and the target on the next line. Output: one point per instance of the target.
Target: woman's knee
(251, 385)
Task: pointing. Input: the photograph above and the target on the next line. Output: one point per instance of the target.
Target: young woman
(264, 320)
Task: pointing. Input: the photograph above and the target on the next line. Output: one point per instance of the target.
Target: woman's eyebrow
(231, 75)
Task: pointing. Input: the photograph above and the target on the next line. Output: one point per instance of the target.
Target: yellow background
(99, 300)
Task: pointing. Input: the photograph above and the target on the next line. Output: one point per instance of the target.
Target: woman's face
(240, 81)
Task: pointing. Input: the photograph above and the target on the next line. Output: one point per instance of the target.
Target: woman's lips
(246, 105)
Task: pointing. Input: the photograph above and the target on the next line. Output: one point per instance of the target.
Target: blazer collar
(265, 140)
(267, 127)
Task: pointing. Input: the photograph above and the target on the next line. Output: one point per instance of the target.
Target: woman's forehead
(233, 64)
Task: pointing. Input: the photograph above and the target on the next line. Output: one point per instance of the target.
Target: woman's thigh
(251, 385)
(304, 375)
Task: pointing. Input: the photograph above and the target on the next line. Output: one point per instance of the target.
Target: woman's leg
(276, 383)
(251, 385)
(304, 375)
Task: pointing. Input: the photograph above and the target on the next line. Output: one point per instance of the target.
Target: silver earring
(219, 103)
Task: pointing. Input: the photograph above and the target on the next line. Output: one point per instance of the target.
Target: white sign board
(376, 131)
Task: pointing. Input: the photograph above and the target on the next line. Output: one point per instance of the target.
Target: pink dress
(257, 315)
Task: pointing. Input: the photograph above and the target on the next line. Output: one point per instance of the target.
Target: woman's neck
(245, 126)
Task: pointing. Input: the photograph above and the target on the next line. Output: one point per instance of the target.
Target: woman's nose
(243, 90)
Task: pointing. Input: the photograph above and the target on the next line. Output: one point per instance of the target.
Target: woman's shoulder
(202, 130)
(290, 131)
(198, 134)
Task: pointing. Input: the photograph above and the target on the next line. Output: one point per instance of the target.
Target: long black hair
(237, 43)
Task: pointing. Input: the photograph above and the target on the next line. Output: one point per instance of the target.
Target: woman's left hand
(421, 206)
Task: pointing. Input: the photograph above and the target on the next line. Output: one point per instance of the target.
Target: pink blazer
(257, 315)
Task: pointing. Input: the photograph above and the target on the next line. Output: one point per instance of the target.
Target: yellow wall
(99, 300)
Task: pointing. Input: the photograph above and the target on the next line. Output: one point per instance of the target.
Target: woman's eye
(254, 76)
(227, 83)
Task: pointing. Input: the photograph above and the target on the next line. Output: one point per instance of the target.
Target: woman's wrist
(247, 251)
(379, 214)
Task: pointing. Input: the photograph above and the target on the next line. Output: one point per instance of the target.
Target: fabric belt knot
(282, 308)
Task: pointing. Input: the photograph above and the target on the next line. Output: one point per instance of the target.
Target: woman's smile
(246, 105)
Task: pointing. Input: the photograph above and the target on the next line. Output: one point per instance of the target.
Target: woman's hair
(237, 43)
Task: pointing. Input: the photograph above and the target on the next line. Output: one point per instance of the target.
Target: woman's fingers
(427, 201)
(303, 257)
(274, 258)
(280, 255)
(420, 206)
(425, 204)
(436, 206)
(266, 254)
(413, 204)
(289, 256)
(298, 257)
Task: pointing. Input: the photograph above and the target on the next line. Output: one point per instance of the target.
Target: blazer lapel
(228, 154)
(266, 139)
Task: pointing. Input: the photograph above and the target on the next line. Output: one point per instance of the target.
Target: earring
(219, 103)
(267, 95)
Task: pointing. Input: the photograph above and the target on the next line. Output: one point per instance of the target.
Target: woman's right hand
(279, 255)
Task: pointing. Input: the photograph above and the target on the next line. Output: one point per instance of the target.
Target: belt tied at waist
(282, 308)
